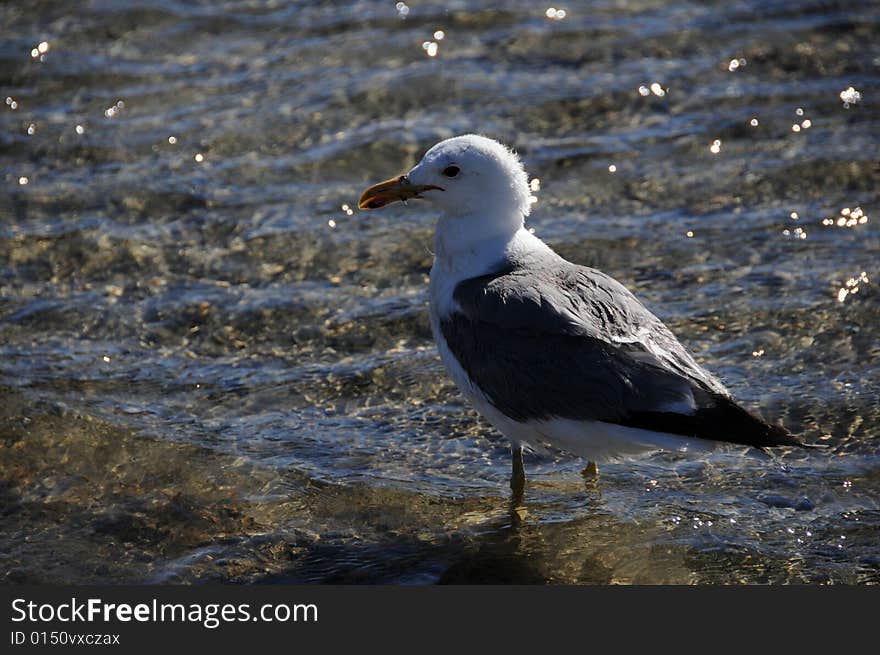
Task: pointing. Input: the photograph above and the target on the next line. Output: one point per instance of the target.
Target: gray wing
(569, 341)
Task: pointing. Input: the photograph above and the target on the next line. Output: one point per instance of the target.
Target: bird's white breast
(518, 433)
(446, 274)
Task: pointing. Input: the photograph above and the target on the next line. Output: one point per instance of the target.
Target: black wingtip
(778, 435)
(722, 420)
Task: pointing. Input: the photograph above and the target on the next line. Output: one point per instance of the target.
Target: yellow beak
(397, 188)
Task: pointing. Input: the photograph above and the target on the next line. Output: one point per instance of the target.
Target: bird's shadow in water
(519, 548)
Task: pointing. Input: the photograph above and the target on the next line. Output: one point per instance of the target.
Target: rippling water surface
(211, 369)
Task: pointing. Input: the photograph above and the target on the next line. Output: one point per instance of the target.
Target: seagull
(550, 352)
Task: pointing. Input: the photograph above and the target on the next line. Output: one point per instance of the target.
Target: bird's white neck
(465, 248)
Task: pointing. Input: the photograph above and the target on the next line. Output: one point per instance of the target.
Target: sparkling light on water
(850, 96)
(330, 314)
(534, 187)
(39, 50)
(847, 218)
(555, 14)
(736, 64)
(113, 110)
(804, 124)
(851, 286)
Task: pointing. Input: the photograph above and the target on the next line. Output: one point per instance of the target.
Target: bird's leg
(518, 475)
(591, 471)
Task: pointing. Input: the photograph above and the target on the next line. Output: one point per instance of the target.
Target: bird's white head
(479, 185)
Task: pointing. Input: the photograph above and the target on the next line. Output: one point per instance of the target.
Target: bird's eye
(451, 171)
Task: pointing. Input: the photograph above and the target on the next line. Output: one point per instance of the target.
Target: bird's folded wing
(539, 353)
(573, 343)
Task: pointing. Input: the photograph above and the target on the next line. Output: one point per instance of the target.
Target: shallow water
(210, 371)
